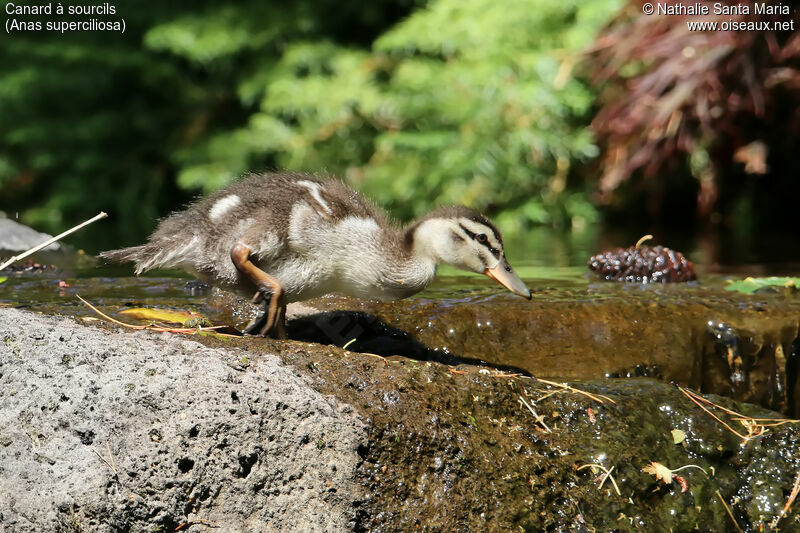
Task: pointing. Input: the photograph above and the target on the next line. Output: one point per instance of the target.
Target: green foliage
(464, 103)
(467, 102)
(752, 285)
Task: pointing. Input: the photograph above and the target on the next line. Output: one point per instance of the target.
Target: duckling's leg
(280, 327)
(269, 291)
(280, 320)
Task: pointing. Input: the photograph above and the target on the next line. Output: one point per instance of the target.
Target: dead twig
(643, 240)
(348, 343)
(539, 419)
(379, 357)
(567, 388)
(110, 461)
(728, 509)
(789, 501)
(115, 321)
(551, 393)
(499, 374)
(595, 466)
(793, 495)
(50, 241)
(755, 427)
(715, 417)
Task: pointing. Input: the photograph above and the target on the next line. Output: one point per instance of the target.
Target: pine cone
(646, 264)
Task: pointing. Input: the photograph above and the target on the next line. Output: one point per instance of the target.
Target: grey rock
(108, 431)
(15, 237)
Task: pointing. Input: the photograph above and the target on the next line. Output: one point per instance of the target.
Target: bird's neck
(408, 268)
(384, 266)
(422, 242)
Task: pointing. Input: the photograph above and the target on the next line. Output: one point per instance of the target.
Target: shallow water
(576, 326)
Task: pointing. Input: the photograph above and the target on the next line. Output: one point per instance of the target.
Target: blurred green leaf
(751, 285)
(468, 101)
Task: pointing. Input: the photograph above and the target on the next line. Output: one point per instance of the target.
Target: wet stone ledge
(101, 428)
(742, 346)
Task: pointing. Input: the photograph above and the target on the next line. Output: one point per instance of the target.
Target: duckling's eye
(481, 238)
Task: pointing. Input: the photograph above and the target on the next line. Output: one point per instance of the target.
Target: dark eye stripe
(492, 250)
(484, 222)
(468, 232)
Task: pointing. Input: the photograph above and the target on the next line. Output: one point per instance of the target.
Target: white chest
(346, 256)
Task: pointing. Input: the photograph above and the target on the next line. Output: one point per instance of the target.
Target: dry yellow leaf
(660, 471)
(172, 316)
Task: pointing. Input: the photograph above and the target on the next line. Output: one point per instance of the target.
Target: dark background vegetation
(539, 113)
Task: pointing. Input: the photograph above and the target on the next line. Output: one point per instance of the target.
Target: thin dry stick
(110, 456)
(739, 417)
(793, 495)
(105, 461)
(379, 357)
(96, 310)
(551, 393)
(735, 523)
(690, 466)
(110, 464)
(348, 343)
(706, 401)
(595, 397)
(701, 406)
(51, 241)
(789, 501)
(506, 375)
(536, 415)
(642, 241)
(607, 476)
(755, 427)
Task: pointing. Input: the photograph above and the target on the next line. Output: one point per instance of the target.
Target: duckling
(292, 237)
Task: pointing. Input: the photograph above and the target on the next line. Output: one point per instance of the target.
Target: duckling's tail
(146, 257)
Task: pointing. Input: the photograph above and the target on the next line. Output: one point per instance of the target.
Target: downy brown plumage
(295, 236)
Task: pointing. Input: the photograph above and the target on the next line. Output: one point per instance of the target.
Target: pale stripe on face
(485, 238)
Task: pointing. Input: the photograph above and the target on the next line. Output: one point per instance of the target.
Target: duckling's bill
(505, 276)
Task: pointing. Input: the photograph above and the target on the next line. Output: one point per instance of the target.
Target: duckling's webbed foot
(260, 325)
(270, 292)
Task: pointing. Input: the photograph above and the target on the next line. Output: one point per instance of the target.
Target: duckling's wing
(333, 199)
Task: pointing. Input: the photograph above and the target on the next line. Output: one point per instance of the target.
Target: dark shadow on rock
(365, 333)
(792, 378)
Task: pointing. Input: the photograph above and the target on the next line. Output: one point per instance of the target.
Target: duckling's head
(464, 239)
